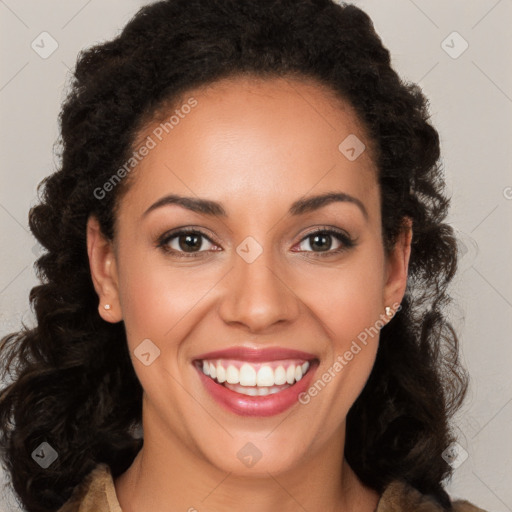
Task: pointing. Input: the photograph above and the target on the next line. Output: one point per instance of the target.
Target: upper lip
(257, 354)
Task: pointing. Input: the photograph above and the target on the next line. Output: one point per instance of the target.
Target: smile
(253, 379)
(256, 382)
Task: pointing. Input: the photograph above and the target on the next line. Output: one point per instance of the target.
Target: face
(277, 295)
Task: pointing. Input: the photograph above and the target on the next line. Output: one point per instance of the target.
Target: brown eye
(321, 241)
(186, 243)
(190, 242)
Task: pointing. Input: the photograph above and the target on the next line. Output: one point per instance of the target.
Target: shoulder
(399, 496)
(96, 493)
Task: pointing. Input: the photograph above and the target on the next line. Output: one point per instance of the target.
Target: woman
(244, 280)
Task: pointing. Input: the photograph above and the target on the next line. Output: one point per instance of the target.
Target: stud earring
(389, 311)
(107, 306)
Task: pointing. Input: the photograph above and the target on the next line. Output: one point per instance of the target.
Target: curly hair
(72, 380)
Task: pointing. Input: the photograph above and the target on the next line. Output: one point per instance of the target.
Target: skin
(256, 146)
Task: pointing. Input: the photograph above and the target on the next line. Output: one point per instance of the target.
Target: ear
(397, 266)
(102, 264)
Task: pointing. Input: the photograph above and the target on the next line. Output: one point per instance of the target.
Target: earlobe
(102, 265)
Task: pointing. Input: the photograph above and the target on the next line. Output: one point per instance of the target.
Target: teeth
(247, 391)
(290, 374)
(280, 376)
(247, 375)
(221, 373)
(232, 375)
(256, 391)
(263, 376)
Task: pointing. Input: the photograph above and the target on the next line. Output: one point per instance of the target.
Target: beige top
(96, 493)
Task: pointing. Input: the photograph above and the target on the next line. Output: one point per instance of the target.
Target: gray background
(471, 106)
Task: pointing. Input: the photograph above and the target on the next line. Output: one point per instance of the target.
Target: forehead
(255, 141)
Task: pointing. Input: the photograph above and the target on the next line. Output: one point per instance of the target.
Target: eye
(322, 239)
(185, 243)
(192, 243)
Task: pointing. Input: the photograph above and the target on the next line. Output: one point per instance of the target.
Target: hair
(72, 381)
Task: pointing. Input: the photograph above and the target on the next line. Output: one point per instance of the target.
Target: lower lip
(267, 405)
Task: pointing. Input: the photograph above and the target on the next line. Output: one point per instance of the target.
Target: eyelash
(346, 241)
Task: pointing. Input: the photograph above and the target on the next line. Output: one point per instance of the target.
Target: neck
(168, 476)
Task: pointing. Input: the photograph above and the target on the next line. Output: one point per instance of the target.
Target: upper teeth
(255, 375)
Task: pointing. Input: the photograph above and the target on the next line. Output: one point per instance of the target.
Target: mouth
(256, 382)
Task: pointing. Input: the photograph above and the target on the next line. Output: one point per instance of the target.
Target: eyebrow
(299, 207)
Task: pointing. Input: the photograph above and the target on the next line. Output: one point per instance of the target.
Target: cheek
(347, 303)
(157, 300)
(347, 299)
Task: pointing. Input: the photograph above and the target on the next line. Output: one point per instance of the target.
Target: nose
(257, 296)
